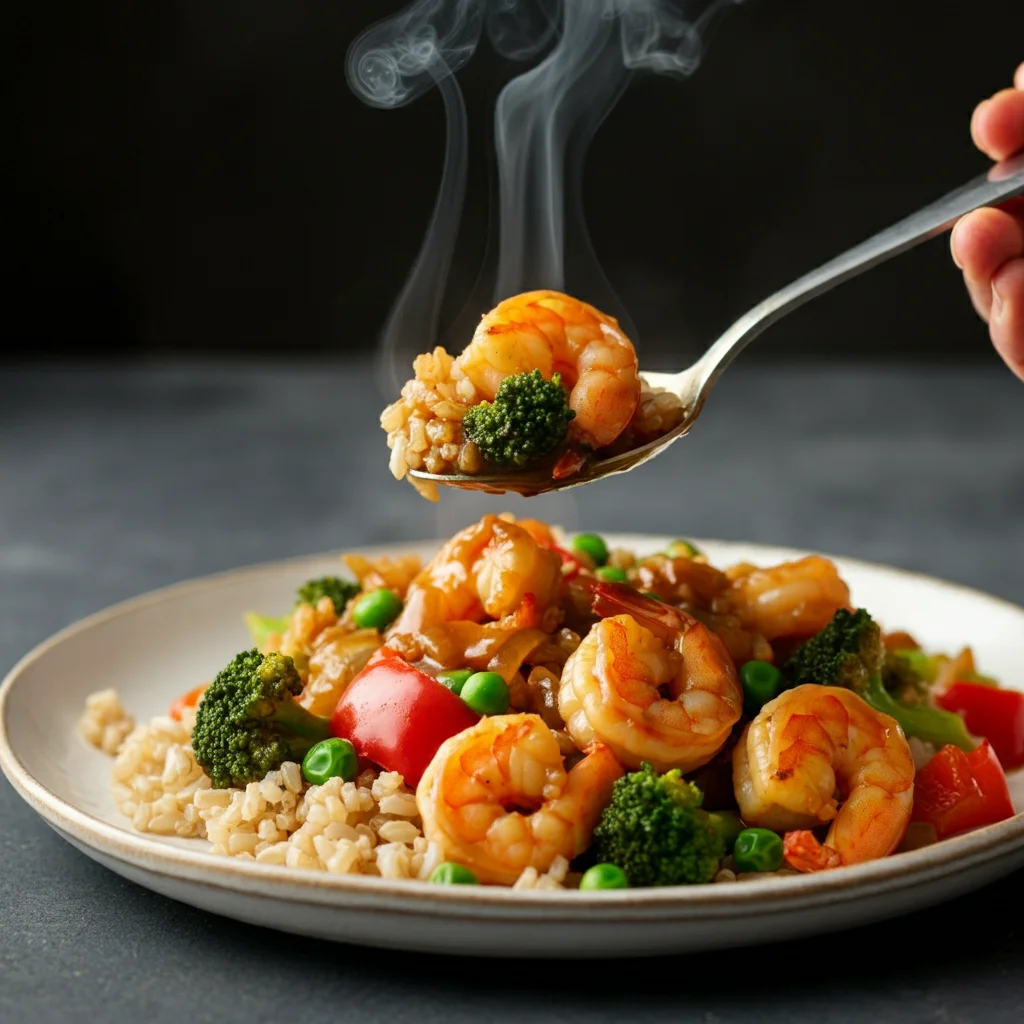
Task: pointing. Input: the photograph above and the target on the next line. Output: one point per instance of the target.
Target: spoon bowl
(1001, 182)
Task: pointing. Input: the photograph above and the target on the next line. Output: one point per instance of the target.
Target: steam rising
(544, 121)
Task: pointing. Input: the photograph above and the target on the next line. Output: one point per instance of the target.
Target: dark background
(189, 177)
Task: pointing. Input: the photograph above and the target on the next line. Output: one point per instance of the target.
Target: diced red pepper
(956, 791)
(187, 701)
(571, 565)
(397, 716)
(987, 711)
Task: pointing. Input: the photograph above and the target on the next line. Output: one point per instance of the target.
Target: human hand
(988, 244)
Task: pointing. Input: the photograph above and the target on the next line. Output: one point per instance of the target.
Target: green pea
(377, 609)
(453, 874)
(454, 678)
(486, 693)
(761, 683)
(604, 876)
(682, 549)
(757, 849)
(728, 825)
(612, 574)
(329, 758)
(593, 546)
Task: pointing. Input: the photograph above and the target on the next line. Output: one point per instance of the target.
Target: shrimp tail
(802, 851)
(608, 599)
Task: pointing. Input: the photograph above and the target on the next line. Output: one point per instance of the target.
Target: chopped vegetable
(956, 792)
(604, 876)
(655, 831)
(328, 759)
(455, 678)
(593, 546)
(338, 590)
(186, 702)
(528, 418)
(848, 652)
(761, 683)
(377, 609)
(262, 626)
(920, 664)
(248, 722)
(996, 714)
(398, 716)
(611, 574)
(682, 549)
(728, 825)
(486, 693)
(757, 849)
(453, 874)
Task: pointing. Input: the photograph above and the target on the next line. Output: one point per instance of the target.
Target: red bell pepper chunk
(987, 711)
(397, 716)
(187, 701)
(956, 791)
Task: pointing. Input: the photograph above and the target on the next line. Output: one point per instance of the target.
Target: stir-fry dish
(532, 711)
(546, 382)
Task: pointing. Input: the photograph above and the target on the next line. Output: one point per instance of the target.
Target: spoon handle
(1003, 181)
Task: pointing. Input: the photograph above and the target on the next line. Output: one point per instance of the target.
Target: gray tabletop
(116, 481)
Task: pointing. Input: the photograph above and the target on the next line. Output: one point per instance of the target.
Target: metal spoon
(1003, 181)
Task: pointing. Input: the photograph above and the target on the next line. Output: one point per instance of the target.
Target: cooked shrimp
(790, 599)
(807, 744)
(485, 571)
(670, 699)
(555, 333)
(497, 798)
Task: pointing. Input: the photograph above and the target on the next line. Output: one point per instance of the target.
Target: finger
(1006, 325)
(997, 125)
(981, 243)
(1018, 78)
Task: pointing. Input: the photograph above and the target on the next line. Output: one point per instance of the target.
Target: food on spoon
(545, 382)
(546, 712)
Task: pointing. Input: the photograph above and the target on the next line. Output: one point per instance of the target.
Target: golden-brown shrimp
(485, 571)
(497, 798)
(555, 333)
(670, 699)
(790, 599)
(807, 744)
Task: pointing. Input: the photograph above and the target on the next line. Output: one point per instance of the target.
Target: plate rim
(712, 900)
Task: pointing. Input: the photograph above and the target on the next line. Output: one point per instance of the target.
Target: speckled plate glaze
(156, 646)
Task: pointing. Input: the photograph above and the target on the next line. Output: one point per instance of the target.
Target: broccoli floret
(849, 652)
(338, 590)
(249, 722)
(656, 832)
(528, 418)
(903, 675)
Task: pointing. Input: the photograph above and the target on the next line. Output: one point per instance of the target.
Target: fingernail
(953, 244)
(997, 303)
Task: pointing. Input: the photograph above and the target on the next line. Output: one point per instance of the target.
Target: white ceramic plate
(158, 645)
